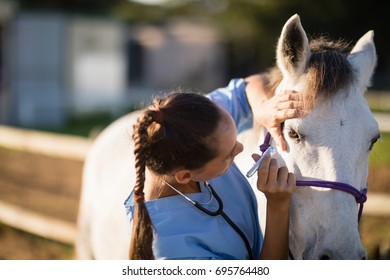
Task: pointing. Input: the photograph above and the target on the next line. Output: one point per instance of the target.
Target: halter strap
(360, 196)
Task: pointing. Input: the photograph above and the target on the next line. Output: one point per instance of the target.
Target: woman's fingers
(289, 95)
(291, 181)
(263, 172)
(289, 105)
(276, 133)
(273, 172)
(283, 115)
(273, 180)
(282, 175)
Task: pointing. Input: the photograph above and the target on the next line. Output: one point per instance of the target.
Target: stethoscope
(219, 211)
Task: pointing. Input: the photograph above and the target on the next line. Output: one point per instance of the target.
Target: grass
(20, 245)
(84, 125)
(375, 234)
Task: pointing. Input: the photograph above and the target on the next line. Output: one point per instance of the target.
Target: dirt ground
(52, 186)
(45, 185)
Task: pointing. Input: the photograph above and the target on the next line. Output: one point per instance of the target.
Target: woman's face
(225, 141)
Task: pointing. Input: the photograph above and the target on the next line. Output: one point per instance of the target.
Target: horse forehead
(346, 101)
(343, 108)
(345, 120)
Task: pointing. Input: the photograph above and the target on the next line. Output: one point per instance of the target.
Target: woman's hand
(270, 111)
(276, 110)
(277, 183)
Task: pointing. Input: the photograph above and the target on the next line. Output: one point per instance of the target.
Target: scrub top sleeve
(233, 99)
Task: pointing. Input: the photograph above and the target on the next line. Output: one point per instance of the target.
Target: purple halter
(360, 197)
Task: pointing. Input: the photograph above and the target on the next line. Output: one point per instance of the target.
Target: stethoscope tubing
(220, 211)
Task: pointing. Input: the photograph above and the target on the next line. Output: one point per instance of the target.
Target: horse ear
(292, 53)
(363, 59)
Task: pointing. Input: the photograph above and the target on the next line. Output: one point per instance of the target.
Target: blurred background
(70, 67)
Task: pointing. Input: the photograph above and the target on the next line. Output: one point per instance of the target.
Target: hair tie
(139, 197)
(158, 116)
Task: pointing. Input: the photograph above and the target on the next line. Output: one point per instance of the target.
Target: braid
(142, 233)
(174, 129)
(140, 136)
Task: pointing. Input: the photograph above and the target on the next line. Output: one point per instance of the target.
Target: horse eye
(293, 134)
(373, 141)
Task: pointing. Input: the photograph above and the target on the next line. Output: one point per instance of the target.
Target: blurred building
(179, 53)
(54, 66)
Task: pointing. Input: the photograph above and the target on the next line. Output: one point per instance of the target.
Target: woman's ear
(183, 176)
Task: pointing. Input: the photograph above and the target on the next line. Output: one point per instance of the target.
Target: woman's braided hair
(176, 131)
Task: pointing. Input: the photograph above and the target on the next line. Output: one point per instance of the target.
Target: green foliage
(84, 125)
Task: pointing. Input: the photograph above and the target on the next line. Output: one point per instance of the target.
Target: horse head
(332, 142)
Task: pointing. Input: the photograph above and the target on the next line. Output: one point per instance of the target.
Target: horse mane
(327, 72)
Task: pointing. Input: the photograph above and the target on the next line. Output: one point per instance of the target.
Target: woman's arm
(233, 99)
(276, 237)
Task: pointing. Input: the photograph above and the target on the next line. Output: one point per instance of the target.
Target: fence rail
(37, 223)
(46, 143)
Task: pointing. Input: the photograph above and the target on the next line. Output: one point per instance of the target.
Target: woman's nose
(239, 148)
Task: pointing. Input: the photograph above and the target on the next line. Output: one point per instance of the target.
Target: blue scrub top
(233, 99)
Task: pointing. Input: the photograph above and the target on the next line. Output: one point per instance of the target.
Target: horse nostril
(324, 257)
(362, 254)
(325, 254)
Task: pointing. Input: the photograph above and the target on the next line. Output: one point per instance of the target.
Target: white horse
(331, 143)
